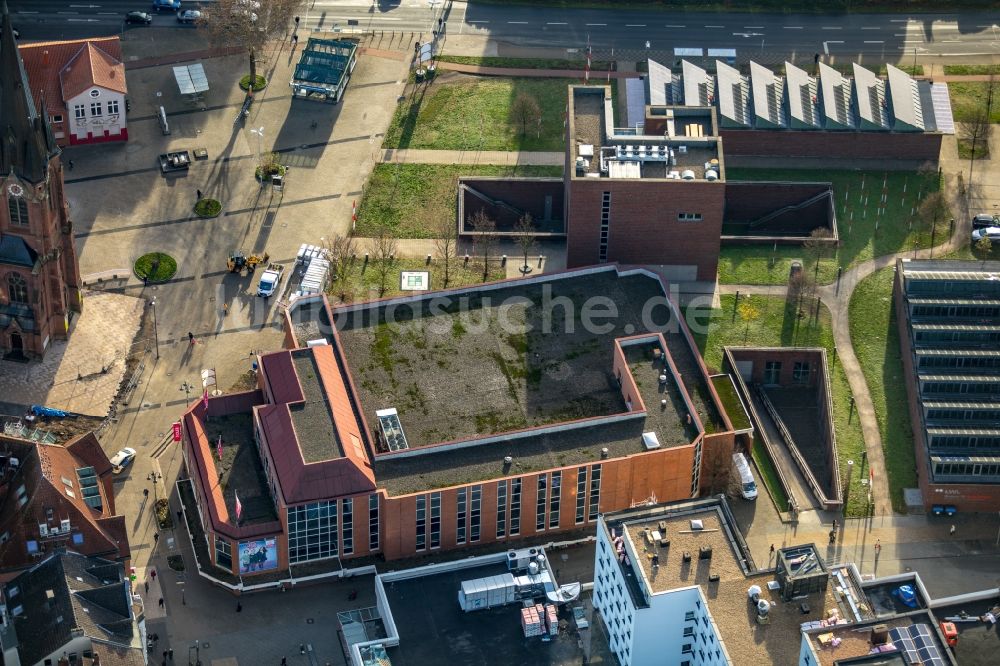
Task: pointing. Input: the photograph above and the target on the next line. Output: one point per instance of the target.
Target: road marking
(875, 41)
(20, 12)
(792, 27)
(82, 20)
(831, 27)
(67, 13)
(107, 13)
(635, 25)
(952, 41)
(715, 26)
(675, 26)
(870, 27)
(753, 27)
(596, 24)
(478, 21)
(555, 24)
(518, 22)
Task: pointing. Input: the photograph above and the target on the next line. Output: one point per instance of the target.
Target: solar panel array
(917, 641)
(392, 429)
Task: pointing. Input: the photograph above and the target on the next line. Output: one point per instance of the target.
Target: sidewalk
(468, 157)
(534, 73)
(147, 586)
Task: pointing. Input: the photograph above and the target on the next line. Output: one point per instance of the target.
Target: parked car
(166, 5)
(270, 280)
(142, 18)
(122, 459)
(179, 160)
(984, 220)
(188, 16)
(993, 233)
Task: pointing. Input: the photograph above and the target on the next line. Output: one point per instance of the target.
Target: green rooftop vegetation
(731, 402)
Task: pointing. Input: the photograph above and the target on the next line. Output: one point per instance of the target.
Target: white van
(741, 468)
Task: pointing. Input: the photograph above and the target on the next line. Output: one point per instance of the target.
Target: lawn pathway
(837, 298)
(473, 157)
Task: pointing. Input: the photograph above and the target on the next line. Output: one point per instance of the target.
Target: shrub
(259, 83)
(155, 267)
(163, 518)
(208, 208)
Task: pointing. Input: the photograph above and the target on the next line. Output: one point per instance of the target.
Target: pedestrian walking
(164, 656)
(156, 537)
(145, 584)
(190, 337)
(952, 531)
(170, 653)
(161, 602)
(225, 309)
(835, 524)
(180, 515)
(152, 574)
(284, 661)
(772, 549)
(239, 607)
(296, 21)
(878, 546)
(833, 536)
(70, 165)
(199, 194)
(295, 40)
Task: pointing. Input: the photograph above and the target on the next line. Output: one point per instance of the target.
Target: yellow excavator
(239, 262)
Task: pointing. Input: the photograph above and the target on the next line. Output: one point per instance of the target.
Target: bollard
(428, 260)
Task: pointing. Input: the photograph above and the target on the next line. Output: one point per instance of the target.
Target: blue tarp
(38, 410)
(907, 595)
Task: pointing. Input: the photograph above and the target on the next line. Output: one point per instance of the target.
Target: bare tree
(446, 244)
(984, 246)
(485, 229)
(525, 112)
(975, 128)
(382, 248)
(525, 234)
(249, 24)
(340, 253)
(817, 246)
(933, 209)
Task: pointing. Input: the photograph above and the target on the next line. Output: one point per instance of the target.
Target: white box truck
(744, 477)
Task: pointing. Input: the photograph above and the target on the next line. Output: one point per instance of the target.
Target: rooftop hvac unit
(705, 553)
(711, 174)
(687, 174)
(43, 529)
(763, 608)
(582, 164)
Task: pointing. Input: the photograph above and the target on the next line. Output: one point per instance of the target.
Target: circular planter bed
(259, 83)
(265, 174)
(155, 267)
(208, 208)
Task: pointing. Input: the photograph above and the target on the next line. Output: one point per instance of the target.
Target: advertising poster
(259, 555)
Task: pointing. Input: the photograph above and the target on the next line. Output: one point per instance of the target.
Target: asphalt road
(888, 36)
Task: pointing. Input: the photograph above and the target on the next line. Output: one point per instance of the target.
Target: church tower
(39, 273)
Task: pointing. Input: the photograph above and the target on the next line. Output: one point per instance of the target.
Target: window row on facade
(985, 415)
(965, 442)
(97, 109)
(960, 388)
(958, 362)
(972, 472)
(971, 288)
(961, 337)
(469, 507)
(955, 311)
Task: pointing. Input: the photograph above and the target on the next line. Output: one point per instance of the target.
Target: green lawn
(876, 344)
(363, 283)
(778, 326)
(526, 63)
(856, 222)
(769, 475)
(959, 70)
(966, 97)
(412, 198)
(475, 114)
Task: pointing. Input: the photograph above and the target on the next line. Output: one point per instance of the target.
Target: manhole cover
(309, 620)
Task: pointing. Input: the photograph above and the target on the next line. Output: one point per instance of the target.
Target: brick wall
(644, 228)
(901, 146)
(526, 194)
(665, 473)
(787, 356)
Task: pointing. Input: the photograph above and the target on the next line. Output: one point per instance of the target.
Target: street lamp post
(156, 334)
(186, 387)
(260, 136)
(154, 477)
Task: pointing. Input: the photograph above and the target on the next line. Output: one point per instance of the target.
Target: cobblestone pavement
(82, 374)
(503, 157)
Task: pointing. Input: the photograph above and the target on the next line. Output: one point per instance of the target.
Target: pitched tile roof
(58, 71)
(67, 592)
(52, 493)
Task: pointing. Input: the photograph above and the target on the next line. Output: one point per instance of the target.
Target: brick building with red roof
(53, 497)
(82, 84)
